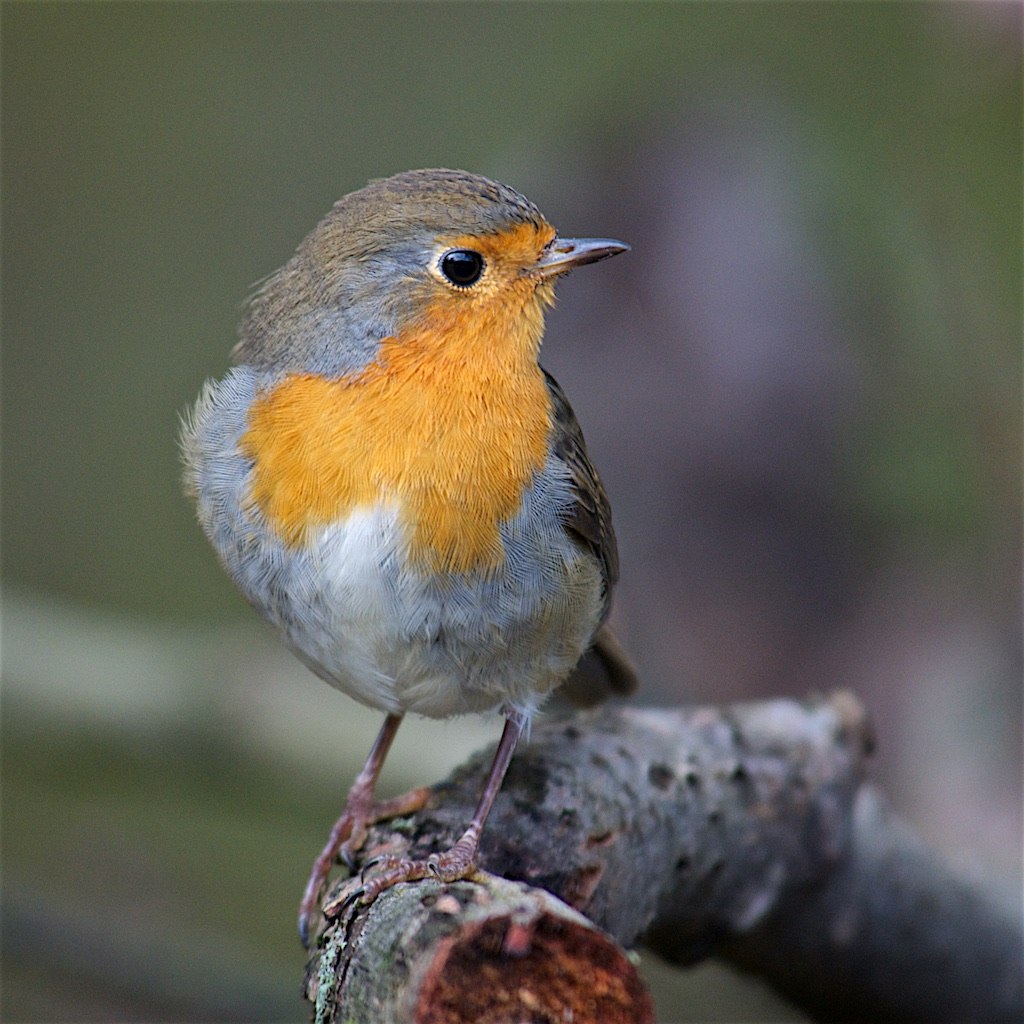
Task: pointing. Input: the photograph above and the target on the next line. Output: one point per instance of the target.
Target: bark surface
(746, 833)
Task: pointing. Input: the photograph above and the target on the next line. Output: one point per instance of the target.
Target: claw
(351, 894)
(350, 900)
(353, 897)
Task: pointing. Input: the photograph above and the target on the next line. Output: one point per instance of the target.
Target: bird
(397, 486)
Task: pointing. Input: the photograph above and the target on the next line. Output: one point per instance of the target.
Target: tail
(604, 671)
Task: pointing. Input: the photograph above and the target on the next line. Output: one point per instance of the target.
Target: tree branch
(744, 832)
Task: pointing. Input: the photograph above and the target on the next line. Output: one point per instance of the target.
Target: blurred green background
(802, 388)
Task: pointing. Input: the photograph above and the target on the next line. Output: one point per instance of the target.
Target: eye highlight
(462, 267)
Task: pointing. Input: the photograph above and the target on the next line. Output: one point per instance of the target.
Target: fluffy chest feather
(450, 424)
(409, 642)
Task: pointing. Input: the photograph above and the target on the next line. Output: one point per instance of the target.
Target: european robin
(393, 481)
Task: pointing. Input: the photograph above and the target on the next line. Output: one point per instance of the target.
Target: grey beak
(565, 254)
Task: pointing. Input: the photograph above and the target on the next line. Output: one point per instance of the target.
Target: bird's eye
(462, 267)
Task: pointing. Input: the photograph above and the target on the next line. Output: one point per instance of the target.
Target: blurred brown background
(802, 389)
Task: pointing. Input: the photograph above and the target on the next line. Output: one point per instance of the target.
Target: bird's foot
(450, 866)
(347, 838)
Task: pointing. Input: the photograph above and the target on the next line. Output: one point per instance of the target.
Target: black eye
(462, 267)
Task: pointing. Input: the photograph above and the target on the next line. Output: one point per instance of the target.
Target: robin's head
(441, 251)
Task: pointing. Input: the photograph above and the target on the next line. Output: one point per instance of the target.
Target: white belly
(399, 641)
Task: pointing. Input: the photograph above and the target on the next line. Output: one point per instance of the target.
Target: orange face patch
(449, 425)
(518, 246)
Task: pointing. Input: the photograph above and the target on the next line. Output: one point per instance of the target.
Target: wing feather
(590, 518)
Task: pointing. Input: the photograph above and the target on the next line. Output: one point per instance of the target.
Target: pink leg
(459, 861)
(349, 832)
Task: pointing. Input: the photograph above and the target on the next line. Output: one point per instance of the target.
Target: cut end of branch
(548, 969)
(486, 951)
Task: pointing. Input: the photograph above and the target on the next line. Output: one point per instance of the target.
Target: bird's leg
(459, 861)
(349, 832)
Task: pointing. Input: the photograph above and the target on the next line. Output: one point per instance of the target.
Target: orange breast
(449, 425)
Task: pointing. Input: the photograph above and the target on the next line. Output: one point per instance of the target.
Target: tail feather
(604, 671)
